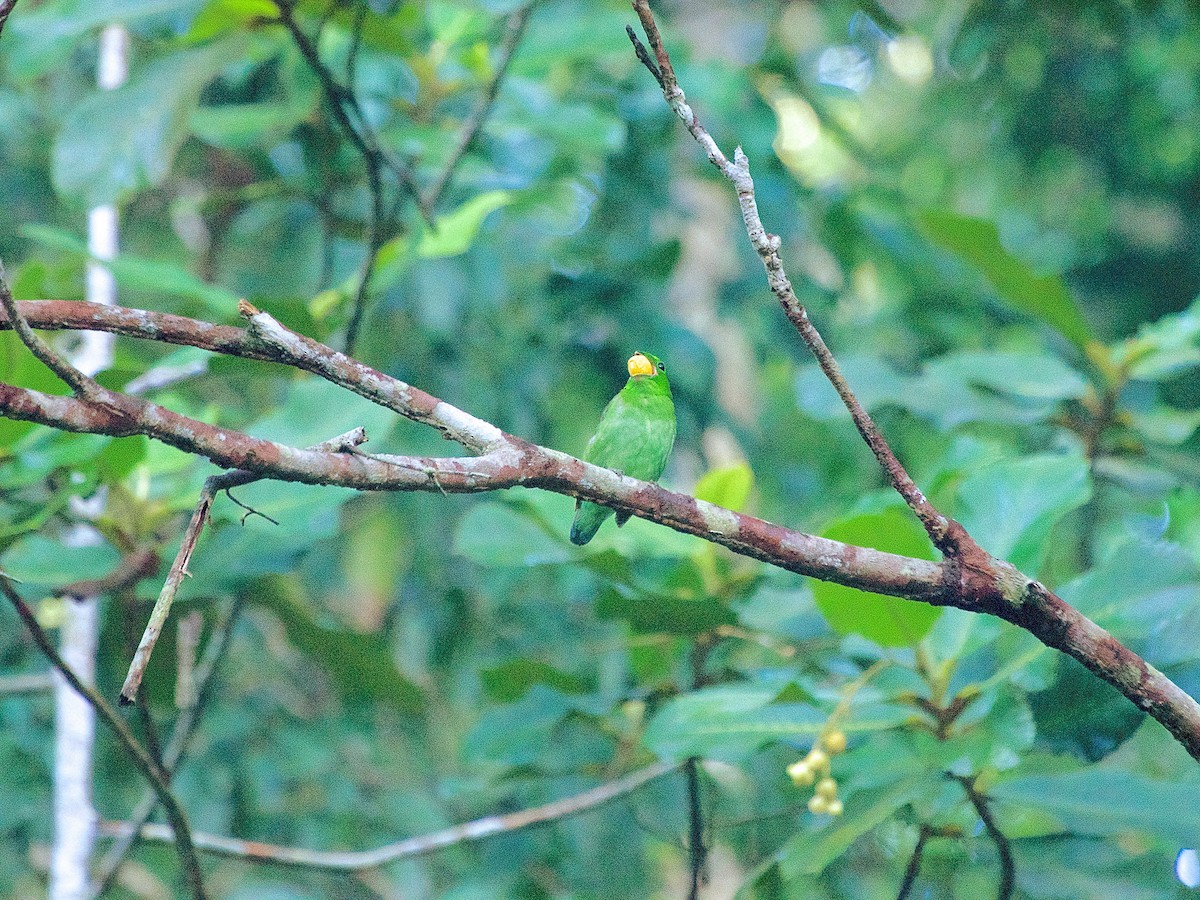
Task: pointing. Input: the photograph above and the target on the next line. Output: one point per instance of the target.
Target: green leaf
(1010, 506)
(1148, 594)
(661, 613)
(513, 679)
(40, 562)
(1164, 348)
(888, 621)
(41, 36)
(977, 242)
(727, 722)
(504, 534)
(456, 231)
(121, 455)
(979, 386)
(520, 733)
(243, 126)
(220, 16)
(136, 273)
(731, 721)
(814, 848)
(273, 250)
(143, 124)
(1108, 801)
(20, 367)
(359, 664)
(728, 486)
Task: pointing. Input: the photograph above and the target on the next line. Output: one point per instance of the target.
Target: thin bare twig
(185, 726)
(357, 861)
(1003, 847)
(695, 846)
(767, 246)
(162, 606)
(129, 743)
(348, 114)
(514, 30)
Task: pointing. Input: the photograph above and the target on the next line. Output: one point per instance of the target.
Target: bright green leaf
(888, 621)
(814, 848)
(456, 231)
(728, 486)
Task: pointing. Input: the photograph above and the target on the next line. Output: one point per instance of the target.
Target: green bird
(634, 437)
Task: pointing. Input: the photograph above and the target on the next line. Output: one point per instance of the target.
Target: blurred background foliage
(989, 209)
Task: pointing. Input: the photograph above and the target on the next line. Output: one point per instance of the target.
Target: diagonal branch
(1004, 591)
(361, 860)
(972, 580)
(939, 527)
(79, 383)
(133, 749)
(185, 725)
(179, 568)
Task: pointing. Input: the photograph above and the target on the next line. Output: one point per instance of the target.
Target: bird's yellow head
(644, 364)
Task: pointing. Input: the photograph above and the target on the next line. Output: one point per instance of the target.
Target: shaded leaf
(1010, 506)
(977, 242)
(144, 123)
(511, 680)
(359, 664)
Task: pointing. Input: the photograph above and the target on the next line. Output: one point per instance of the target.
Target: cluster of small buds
(814, 768)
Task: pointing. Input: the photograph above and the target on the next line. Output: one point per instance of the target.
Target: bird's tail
(588, 519)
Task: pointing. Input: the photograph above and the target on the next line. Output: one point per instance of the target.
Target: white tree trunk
(75, 817)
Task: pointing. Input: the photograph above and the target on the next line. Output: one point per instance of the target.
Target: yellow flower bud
(834, 808)
(817, 758)
(834, 742)
(818, 804)
(827, 788)
(801, 773)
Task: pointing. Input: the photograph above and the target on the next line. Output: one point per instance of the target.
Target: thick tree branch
(515, 464)
(129, 743)
(973, 580)
(357, 861)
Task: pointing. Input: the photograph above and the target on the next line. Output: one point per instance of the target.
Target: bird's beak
(640, 365)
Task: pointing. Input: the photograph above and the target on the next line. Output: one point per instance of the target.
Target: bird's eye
(661, 367)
